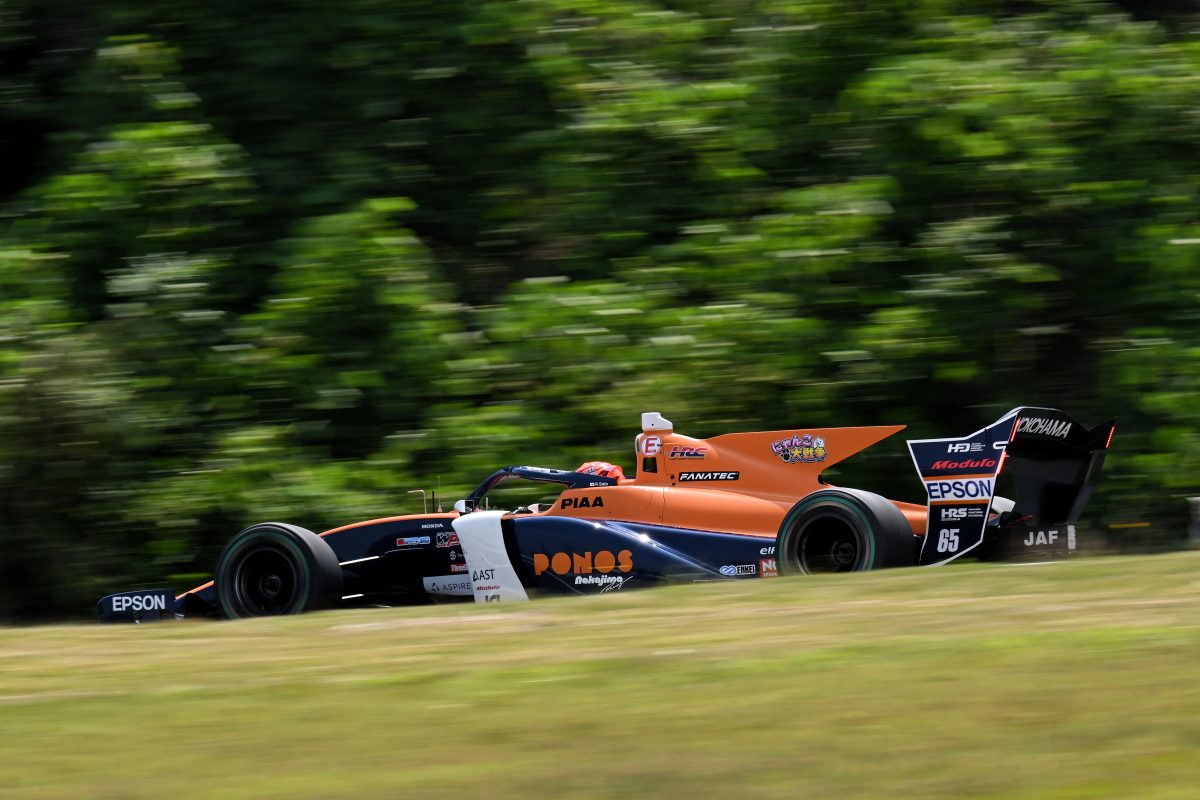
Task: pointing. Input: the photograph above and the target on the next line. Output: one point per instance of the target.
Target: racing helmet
(602, 469)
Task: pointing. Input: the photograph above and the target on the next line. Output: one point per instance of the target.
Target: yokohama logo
(1044, 427)
(970, 463)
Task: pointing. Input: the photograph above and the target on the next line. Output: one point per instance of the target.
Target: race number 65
(947, 540)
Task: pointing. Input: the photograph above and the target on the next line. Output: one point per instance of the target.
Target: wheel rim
(266, 581)
(829, 543)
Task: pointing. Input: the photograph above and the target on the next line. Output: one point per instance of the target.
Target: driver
(601, 468)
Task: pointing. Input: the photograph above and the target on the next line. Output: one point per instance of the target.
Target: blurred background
(291, 261)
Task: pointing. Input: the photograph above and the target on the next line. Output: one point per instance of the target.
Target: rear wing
(1054, 460)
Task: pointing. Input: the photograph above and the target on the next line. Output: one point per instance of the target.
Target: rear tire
(274, 568)
(844, 530)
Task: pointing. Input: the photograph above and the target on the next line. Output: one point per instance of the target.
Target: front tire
(844, 530)
(273, 568)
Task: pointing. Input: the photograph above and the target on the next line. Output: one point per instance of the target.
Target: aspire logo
(603, 561)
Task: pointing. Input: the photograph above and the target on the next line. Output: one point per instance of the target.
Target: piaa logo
(582, 502)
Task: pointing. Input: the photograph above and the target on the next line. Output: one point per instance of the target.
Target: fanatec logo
(684, 477)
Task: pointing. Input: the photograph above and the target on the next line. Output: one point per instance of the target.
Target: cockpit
(532, 496)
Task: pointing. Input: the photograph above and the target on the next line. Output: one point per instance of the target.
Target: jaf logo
(800, 449)
(1041, 537)
(651, 445)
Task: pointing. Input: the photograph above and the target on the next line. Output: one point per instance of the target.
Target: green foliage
(261, 265)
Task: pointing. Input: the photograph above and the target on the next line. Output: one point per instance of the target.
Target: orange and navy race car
(737, 506)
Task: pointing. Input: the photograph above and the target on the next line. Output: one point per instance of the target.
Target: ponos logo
(603, 561)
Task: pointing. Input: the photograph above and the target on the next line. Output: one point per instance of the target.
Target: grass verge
(1067, 680)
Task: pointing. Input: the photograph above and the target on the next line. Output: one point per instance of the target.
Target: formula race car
(737, 506)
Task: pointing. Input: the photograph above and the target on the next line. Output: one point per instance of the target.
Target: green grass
(1068, 680)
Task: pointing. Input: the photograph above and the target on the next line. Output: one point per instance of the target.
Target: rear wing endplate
(1054, 461)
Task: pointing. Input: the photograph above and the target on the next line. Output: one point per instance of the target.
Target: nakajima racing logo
(1058, 428)
(607, 583)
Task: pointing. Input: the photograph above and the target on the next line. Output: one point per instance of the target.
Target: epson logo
(1058, 428)
(140, 602)
(977, 489)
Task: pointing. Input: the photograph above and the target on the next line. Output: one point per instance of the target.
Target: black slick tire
(273, 568)
(844, 530)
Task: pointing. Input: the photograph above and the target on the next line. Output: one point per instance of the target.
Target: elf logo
(583, 502)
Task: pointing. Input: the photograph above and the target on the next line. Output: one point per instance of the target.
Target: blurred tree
(265, 264)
